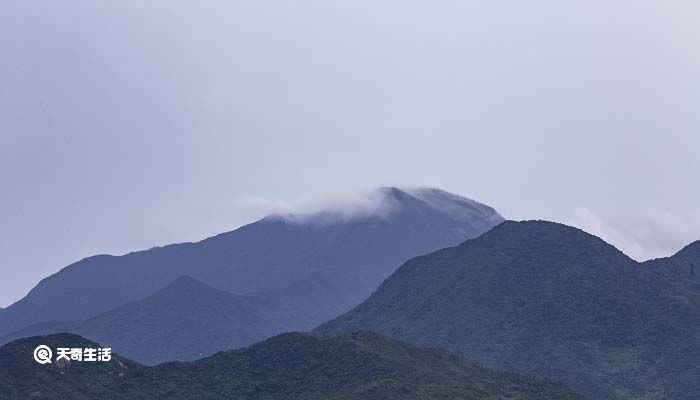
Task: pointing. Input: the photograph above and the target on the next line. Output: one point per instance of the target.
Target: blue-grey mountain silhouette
(313, 267)
(186, 320)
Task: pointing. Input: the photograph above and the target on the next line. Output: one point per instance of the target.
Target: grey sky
(129, 124)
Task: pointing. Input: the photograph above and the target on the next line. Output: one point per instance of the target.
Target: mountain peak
(527, 226)
(187, 281)
(547, 234)
(317, 264)
(191, 289)
(535, 230)
(390, 201)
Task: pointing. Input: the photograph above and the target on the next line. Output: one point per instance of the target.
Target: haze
(125, 125)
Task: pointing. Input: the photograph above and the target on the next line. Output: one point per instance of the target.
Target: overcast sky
(129, 124)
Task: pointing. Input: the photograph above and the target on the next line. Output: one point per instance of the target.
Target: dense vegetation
(549, 300)
(362, 365)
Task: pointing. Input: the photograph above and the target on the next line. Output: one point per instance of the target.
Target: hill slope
(186, 320)
(290, 366)
(321, 264)
(553, 301)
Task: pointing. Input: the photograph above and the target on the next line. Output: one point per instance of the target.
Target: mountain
(683, 269)
(185, 320)
(549, 300)
(320, 264)
(291, 366)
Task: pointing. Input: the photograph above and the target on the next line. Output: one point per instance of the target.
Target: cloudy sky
(129, 124)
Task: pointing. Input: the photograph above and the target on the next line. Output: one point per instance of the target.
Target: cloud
(325, 210)
(642, 234)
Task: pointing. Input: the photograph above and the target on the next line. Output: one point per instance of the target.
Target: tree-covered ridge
(362, 365)
(549, 300)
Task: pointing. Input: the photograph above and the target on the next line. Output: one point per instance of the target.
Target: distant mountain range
(279, 274)
(362, 366)
(549, 300)
(186, 320)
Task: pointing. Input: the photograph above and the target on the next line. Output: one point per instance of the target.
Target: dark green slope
(22, 378)
(362, 365)
(549, 300)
